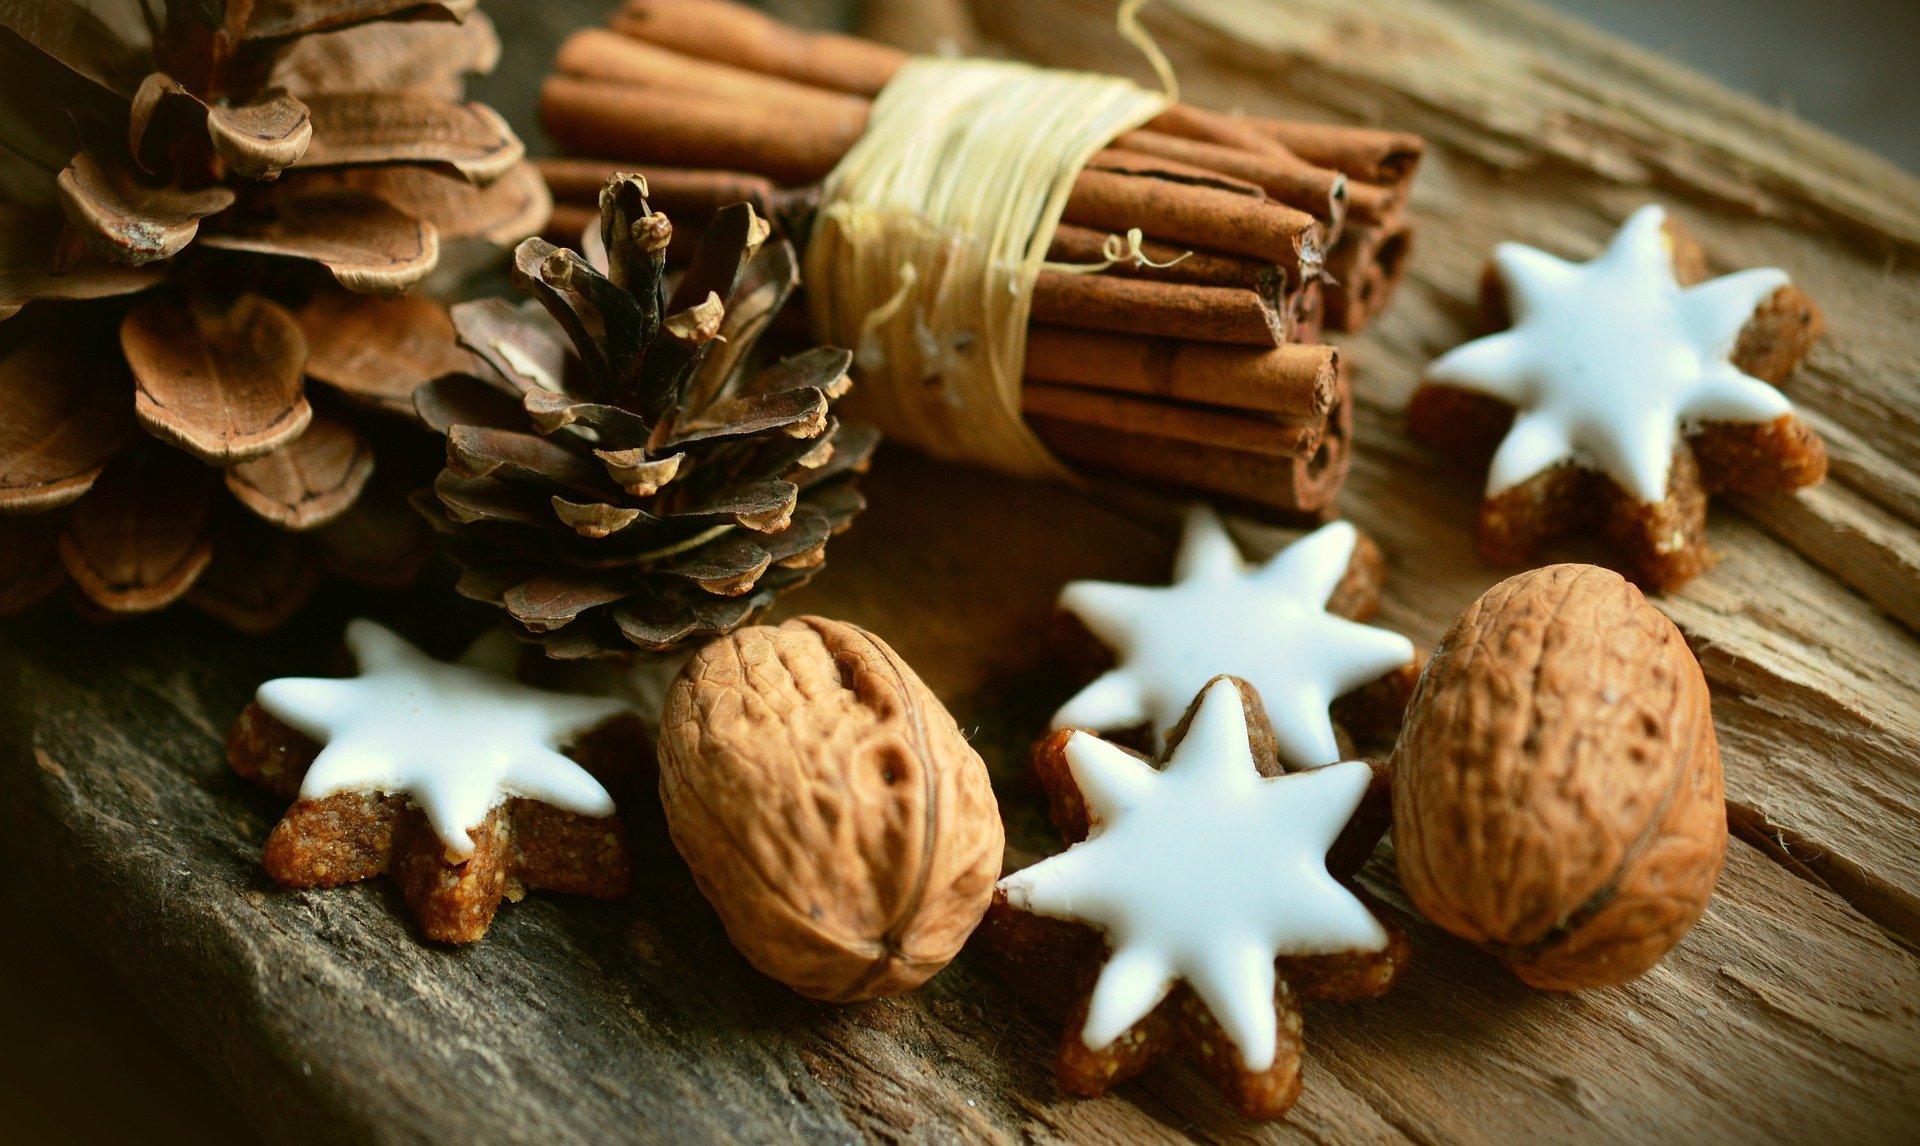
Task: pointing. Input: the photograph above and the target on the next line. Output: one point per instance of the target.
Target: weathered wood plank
(577, 1021)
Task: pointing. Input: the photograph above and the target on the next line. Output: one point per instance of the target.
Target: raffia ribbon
(932, 231)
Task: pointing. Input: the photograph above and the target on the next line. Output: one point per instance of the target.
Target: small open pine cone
(622, 473)
(202, 208)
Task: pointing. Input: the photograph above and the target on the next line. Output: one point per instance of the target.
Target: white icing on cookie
(1204, 871)
(1608, 362)
(458, 739)
(1268, 626)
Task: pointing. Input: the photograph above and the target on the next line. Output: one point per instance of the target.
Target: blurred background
(1851, 66)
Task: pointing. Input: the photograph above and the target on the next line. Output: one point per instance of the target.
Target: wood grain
(1791, 1012)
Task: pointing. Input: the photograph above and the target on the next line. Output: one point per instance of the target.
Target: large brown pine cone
(620, 478)
(201, 205)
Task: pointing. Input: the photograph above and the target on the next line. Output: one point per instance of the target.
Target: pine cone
(197, 201)
(667, 490)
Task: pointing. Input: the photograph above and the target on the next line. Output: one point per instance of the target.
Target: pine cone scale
(167, 155)
(124, 220)
(63, 416)
(369, 245)
(312, 481)
(219, 378)
(352, 128)
(682, 491)
(140, 539)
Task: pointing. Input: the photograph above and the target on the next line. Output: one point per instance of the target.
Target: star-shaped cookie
(1627, 395)
(1209, 881)
(1269, 625)
(447, 776)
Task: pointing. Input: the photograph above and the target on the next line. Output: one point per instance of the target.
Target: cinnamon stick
(1305, 312)
(732, 34)
(567, 223)
(1175, 421)
(791, 144)
(1388, 158)
(737, 35)
(1365, 268)
(802, 143)
(1299, 306)
(1205, 216)
(1320, 191)
(1085, 245)
(1167, 310)
(1297, 488)
(595, 53)
(1288, 382)
(1121, 161)
(1189, 122)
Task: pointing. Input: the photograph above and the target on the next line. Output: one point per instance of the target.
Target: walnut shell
(1557, 795)
(829, 807)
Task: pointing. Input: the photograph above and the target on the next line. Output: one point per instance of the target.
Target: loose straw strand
(885, 312)
(1128, 19)
(1115, 250)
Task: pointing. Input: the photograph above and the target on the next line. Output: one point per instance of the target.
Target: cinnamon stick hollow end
(1365, 269)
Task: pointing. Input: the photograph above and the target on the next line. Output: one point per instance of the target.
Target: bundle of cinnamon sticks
(1198, 364)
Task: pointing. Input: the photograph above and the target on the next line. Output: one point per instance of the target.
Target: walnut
(1557, 793)
(830, 809)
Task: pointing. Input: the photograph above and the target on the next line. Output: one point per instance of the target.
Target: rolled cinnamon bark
(802, 143)
(1199, 123)
(1288, 382)
(1167, 373)
(1320, 191)
(1169, 262)
(729, 33)
(733, 34)
(1387, 158)
(1121, 161)
(1299, 306)
(1366, 267)
(1305, 311)
(1175, 421)
(1204, 216)
(595, 53)
(687, 129)
(1167, 310)
(567, 223)
(1298, 489)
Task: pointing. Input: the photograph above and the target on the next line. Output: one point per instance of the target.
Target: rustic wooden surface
(1792, 1012)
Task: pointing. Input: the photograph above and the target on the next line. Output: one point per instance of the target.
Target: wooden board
(1793, 1011)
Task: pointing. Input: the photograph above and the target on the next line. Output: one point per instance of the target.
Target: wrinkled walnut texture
(1557, 791)
(829, 807)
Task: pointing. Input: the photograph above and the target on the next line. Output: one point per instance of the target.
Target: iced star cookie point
(457, 739)
(1267, 624)
(1162, 875)
(1608, 361)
